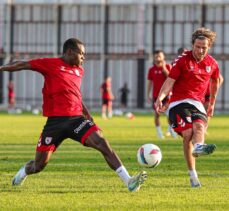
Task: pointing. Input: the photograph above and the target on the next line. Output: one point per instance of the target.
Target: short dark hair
(181, 50)
(158, 51)
(71, 43)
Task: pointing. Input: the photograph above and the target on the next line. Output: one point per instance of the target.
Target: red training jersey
(10, 90)
(105, 93)
(157, 77)
(61, 91)
(192, 77)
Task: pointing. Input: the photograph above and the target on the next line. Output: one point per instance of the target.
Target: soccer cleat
(203, 149)
(173, 133)
(160, 136)
(195, 183)
(19, 178)
(136, 181)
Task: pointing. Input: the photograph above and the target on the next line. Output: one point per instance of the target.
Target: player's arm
(110, 93)
(215, 84)
(165, 89)
(16, 66)
(149, 90)
(221, 79)
(86, 113)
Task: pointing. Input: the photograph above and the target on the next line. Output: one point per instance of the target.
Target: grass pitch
(77, 178)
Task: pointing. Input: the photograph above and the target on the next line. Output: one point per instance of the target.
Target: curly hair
(204, 33)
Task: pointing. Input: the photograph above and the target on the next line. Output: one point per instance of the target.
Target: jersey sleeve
(39, 65)
(216, 71)
(175, 71)
(150, 75)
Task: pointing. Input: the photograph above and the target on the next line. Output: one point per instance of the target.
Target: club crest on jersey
(48, 140)
(208, 69)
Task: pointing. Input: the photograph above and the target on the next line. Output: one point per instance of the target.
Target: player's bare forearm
(165, 89)
(86, 112)
(149, 89)
(16, 66)
(215, 84)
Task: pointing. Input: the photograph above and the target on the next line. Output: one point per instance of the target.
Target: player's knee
(199, 126)
(187, 134)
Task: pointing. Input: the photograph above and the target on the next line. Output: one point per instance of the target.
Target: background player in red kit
(11, 96)
(107, 97)
(189, 78)
(67, 115)
(156, 77)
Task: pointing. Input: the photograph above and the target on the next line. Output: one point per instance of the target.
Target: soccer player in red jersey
(156, 77)
(67, 116)
(107, 97)
(11, 97)
(189, 78)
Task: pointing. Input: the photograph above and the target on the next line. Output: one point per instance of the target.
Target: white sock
(123, 174)
(197, 144)
(158, 128)
(110, 114)
(193, 173)
(22, 172)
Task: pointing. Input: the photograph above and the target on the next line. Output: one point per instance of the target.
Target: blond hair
(204, 33)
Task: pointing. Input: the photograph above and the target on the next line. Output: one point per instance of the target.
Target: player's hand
(149, 100)
(89, 117)
(210, 110)
(158, 106)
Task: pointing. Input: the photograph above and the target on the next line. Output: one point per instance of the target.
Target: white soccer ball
(149, 155)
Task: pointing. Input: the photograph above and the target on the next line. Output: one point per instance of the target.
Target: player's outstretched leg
(136, 181)
(32, 167)
(203, 149)
(20, 177)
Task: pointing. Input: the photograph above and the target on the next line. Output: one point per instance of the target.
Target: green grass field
(77, 178)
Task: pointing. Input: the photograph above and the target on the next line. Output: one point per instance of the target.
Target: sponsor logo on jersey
(62, 68)
(48, 140)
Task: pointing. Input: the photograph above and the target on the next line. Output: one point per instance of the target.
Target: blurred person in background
(107, 98)
(157, 74)
(124, 91)
(11, 97)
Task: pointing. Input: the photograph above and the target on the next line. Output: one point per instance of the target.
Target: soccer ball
(149, 155)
